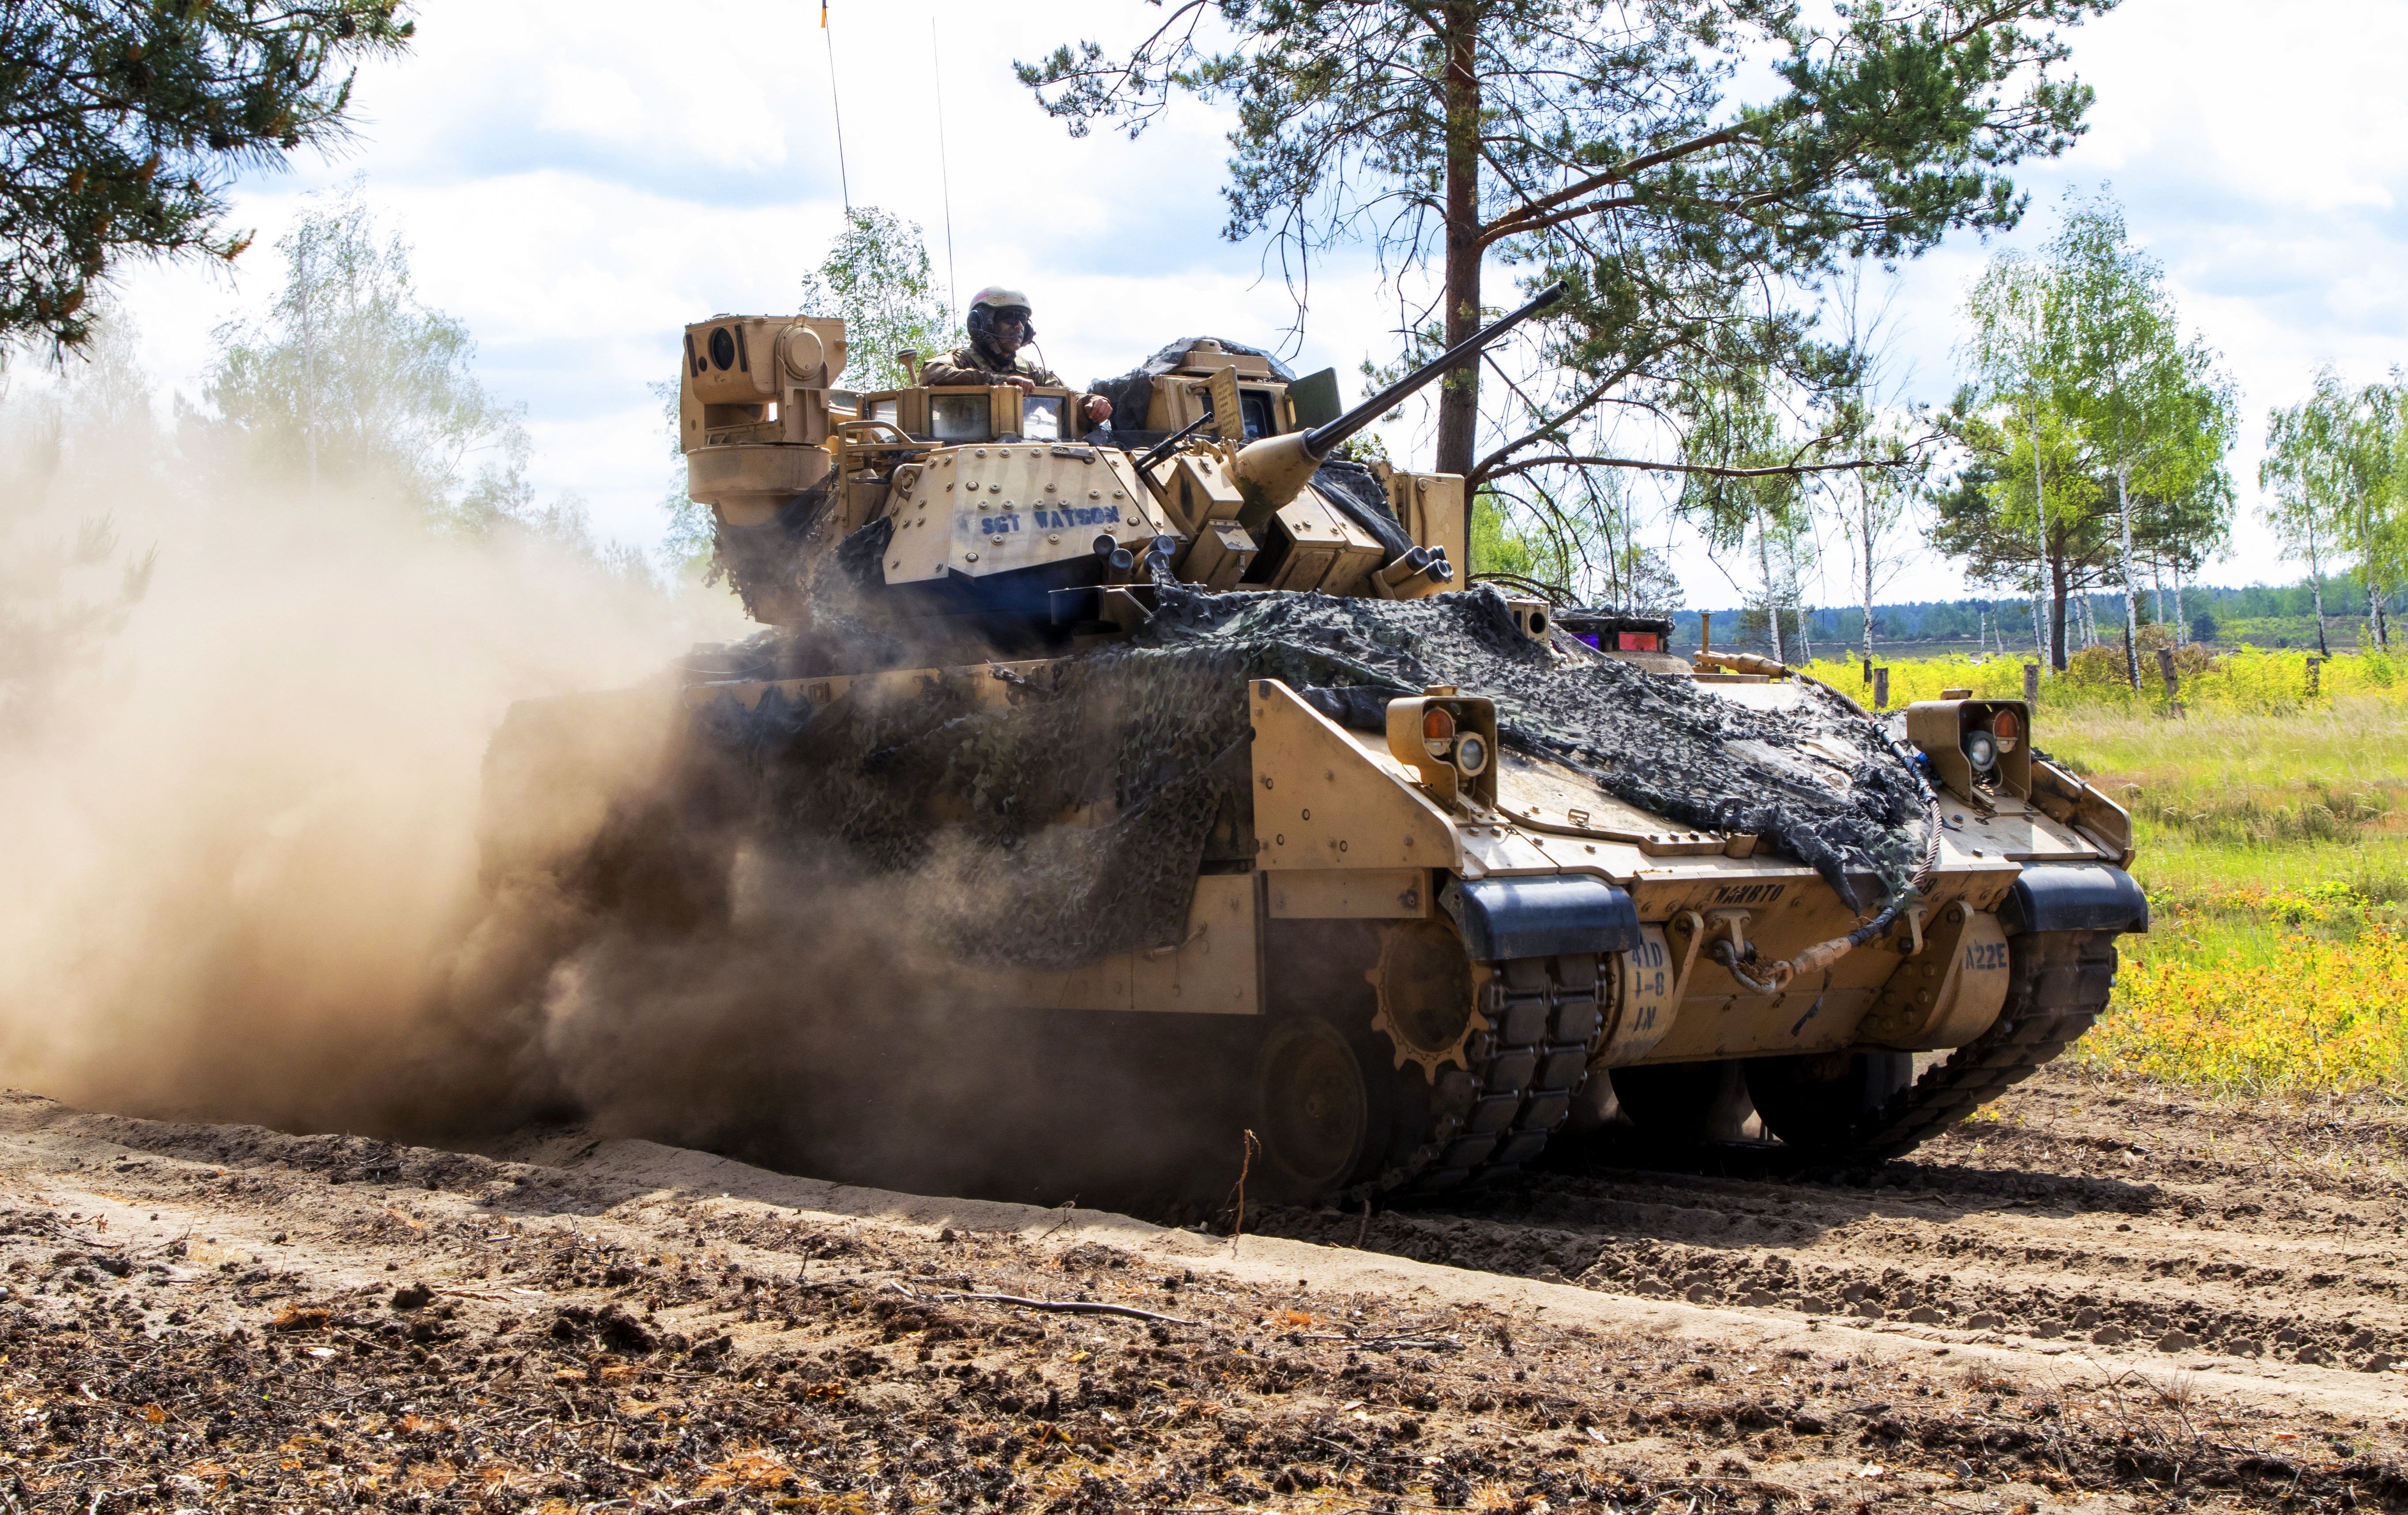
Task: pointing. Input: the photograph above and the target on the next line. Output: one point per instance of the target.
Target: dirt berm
(223, 1317)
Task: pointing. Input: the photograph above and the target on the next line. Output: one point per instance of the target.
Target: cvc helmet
(995, 301)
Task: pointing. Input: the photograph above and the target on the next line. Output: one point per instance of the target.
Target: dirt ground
(2098, 1298)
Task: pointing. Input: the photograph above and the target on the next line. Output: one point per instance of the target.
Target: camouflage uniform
(972, 364)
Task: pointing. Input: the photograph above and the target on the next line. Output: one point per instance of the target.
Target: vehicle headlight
(1981, 751)
(1471, 753)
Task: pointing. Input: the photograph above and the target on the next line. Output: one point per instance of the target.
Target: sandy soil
(2249, 1239)
(207, 1316)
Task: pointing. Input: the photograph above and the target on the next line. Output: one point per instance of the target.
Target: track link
(1543, 1016)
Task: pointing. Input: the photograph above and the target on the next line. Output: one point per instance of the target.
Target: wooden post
(2315, 675)
(1880, 688)
(1705, 631)
(2031, 683)
(2174, 680)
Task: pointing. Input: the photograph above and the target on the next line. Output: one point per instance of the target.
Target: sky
(579, 179)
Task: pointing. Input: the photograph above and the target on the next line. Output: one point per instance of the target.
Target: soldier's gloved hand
(1021, 383)
(1097, 408)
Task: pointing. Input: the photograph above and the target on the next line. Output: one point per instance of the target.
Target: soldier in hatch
(999, 328)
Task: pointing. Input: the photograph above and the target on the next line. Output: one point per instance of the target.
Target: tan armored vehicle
(1206, 736)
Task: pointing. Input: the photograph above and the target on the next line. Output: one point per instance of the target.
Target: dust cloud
(279, 844)
(242, 731)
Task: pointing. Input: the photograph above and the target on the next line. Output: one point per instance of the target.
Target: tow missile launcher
(1448, 876)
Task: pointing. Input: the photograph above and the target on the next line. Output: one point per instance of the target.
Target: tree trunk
(1771, 600)
(2157, 581)
(2182, 627)
(2057, 589)
(2131, 590)
(2316, 581)
(1458, 396)
(308, 361)
(1865, 560)
(2050, 657)
(1864, 526)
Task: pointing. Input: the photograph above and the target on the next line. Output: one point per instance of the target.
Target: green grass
(2230, 797)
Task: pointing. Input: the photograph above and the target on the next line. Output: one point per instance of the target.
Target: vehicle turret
(1220, 470)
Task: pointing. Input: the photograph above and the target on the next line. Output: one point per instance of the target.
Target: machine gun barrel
(1319, 442)
(1170, 444)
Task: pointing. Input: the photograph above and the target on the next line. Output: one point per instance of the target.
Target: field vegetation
(2272, 827)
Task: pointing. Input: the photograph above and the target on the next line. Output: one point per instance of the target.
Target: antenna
(944, 173)
(836, 107)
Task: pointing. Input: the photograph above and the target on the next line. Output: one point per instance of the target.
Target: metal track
(2058, 984)
(1543, 1015)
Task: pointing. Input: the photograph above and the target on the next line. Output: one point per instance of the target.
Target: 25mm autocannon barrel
(1322, 439)
(1273, 472)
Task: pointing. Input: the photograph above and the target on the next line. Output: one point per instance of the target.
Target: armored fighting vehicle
(1193, 728)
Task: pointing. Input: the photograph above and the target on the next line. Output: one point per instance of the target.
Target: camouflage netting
(1148, 738)
(1132, 390)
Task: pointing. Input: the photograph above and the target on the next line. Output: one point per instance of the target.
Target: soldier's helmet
(993, 306)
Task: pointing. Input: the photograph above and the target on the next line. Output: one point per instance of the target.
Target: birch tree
(2012, 355)
(2150, 403)
(2335, 473)
(351, 380)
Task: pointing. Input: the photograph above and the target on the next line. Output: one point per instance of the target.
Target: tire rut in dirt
(2078, 1215)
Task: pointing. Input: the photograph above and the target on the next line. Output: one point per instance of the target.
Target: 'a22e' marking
(1982, 956)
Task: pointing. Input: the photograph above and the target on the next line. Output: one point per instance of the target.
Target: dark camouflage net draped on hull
(1145, 741)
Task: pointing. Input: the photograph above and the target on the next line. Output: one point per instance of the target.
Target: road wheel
(1312, 1107)
(1821, 1101)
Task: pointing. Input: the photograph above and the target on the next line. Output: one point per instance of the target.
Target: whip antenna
(944, 174)
(836, 107)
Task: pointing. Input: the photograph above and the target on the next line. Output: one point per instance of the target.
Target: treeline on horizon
(2260, 615)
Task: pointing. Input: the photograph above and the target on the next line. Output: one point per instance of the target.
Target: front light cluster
(1985, 745)
(1467, 751)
